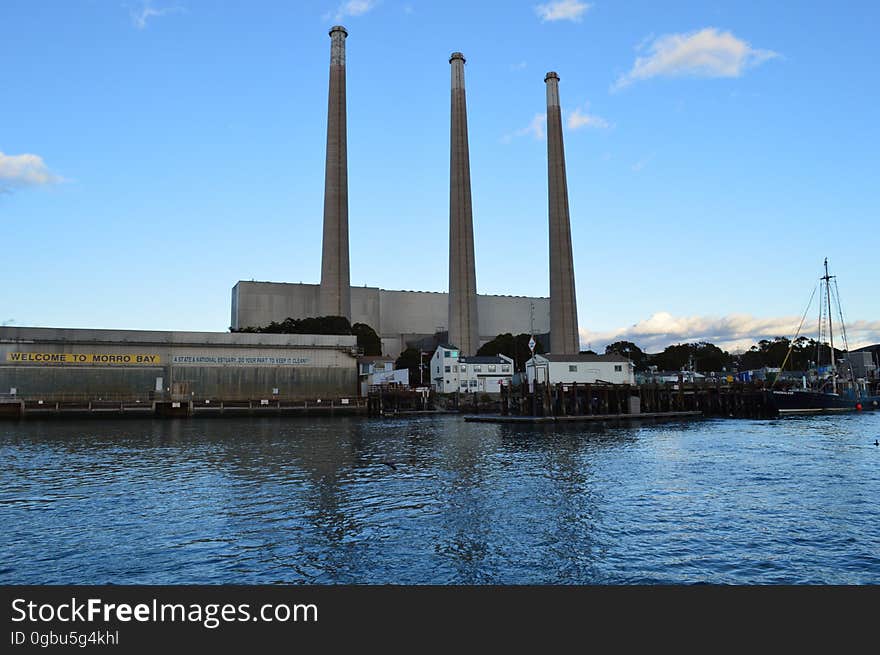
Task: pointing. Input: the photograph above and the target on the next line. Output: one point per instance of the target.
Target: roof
(585, 357)
(446, 346)
(484, 359)
(366, 359)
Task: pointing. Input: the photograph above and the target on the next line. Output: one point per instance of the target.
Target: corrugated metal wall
(241, 366)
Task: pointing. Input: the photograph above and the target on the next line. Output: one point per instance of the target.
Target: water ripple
(438, 500)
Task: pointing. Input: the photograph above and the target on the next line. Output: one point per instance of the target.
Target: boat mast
(827, 279)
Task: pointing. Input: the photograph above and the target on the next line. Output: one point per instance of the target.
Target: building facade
(379, 370)
(582, 368)
(451, 373)
(397, 316)
(59, 363)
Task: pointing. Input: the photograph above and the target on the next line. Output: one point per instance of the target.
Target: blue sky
(154, 153)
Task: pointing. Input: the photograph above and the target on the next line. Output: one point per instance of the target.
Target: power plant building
(399, 317)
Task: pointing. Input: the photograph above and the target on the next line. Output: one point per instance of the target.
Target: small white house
(379, 370)
(451, 373)
(582, 368)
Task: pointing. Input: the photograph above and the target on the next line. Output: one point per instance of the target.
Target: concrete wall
(200, 364)
(398, 316)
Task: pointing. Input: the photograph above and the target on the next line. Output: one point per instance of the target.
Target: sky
(153, 153)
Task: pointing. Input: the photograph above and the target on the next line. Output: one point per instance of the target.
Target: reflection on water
(437, 500)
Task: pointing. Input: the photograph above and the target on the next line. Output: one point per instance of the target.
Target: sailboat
(834, 387)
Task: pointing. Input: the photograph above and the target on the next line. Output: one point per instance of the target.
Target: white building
(581, 369)
(379, 370)
(451, 373)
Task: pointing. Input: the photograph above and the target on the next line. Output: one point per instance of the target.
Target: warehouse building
(76, 363)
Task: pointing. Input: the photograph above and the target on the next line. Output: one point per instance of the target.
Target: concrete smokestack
(335, 296)
(463, 326)
(564, 338)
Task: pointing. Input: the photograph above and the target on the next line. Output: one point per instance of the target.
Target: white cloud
(141, 15)
(518, 67)
(735, 332)
(18, 171)
(562, 10)
(536, 128)
(705, 53)
(578, 119)
(357, 8)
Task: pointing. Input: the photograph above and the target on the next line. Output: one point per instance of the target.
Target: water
(273, 500)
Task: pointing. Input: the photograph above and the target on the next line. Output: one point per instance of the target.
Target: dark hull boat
(805, 401)
(831, 391)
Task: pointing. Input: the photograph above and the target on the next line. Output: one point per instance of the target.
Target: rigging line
(819, 332)
(840, 312)
(852, 374)
(791, 344)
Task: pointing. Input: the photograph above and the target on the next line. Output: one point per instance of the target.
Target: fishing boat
(833, 386)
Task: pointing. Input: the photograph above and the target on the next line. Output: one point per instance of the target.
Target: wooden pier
(566, 402)
(392, 400)
(71, 406)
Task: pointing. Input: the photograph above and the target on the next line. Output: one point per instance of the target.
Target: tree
(367, 339)
(631, 351)
(411, 359)
(515, 347)
(705, 357)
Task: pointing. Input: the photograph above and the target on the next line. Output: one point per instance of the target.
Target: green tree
(411, 359)
(631, 351)
(705, 357)
(515, 347)
(367, 339)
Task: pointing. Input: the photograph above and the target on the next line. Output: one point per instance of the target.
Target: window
(464, 384)
(447, 353)
(491, 368)
(473, 383)
(618, 368)
(464, 368)
(448, 369)
(455, 368)
(438, 369)
(572, 368)
(505, 368)
(477, 369)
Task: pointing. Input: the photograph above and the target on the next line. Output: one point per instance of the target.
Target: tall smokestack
(463, 327)
(563, 306)
(335, 298)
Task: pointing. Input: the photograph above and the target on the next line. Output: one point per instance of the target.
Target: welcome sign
(82, 358)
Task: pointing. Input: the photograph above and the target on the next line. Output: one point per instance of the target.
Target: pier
(83, 406)
(392, 400)
(591, 402)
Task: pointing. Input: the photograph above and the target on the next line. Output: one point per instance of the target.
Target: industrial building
(62, 363)
(404, 317)
(399, 317)
(36, 362)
